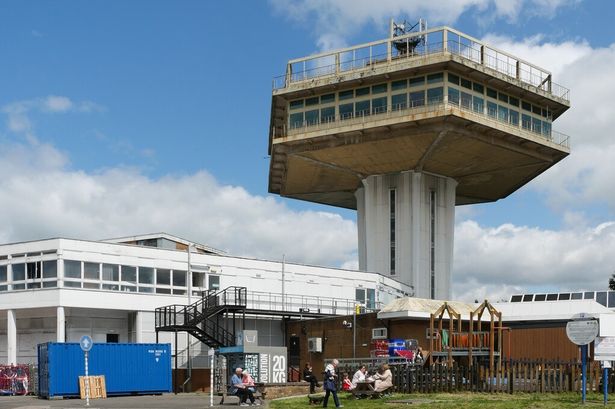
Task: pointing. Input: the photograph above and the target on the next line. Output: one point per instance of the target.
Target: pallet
(97, 385)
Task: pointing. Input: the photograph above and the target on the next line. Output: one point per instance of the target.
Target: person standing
(308, 376)
(330, 384)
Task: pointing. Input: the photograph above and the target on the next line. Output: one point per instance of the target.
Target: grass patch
(456, 400)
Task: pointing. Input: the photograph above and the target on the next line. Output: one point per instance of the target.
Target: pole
(583, 374)
(354, 333)
(283, 282)
(189, 278)
(87, 381)
(211, 378)
(605, 384)
(176, 372)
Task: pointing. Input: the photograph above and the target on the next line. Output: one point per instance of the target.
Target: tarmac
(180, 401)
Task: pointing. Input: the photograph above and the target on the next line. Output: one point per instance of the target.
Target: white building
(60, 289)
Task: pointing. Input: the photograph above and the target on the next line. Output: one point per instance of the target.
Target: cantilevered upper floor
(448, 104)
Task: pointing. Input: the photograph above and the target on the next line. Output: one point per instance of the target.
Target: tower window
(432, 241)
(392, 229)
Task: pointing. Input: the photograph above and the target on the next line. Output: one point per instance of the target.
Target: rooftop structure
(405, 128)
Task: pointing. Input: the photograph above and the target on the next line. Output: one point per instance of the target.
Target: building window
(453, 96)
(110, 272)
(34, 270)
(346, 111)
(360, 295)
(113, 338)
(432, 241)
(380, 88)
(397, 85)
(399, 101)
(311, 117)
(296, 120)
(361, 108)
(435, 78)
(435, 95)
(163, 276)
(417, 99)
(379, 105)
(416, 82)
(19, 272)
(72, 269)
(392, 207)
(179, 278)
(214, 282)
(327, 114)
(198, 280)
(50, 269)
(3, 275)
(129, 274)
(91, 271)
(146, 275)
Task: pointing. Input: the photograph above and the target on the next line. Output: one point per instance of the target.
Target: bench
(234, 399)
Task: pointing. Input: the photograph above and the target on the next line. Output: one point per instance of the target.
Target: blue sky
(168, 92)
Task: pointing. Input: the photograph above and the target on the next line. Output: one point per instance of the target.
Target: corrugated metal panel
(128, 368)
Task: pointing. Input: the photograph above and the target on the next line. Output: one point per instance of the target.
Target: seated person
(359, 376)
(239, 389)
(346, 383)
(248, 381)
(384, 379)
(308, 376)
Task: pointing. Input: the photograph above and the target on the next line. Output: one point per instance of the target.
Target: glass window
(551, 297)
(399, 101)
(311, 117)
(179, 278)
(311, 101)
(416, 82)
(601, 297)
(34, 285)
(380, 88)
(478, 88)
(50, 268)
(33, 270)
(179, 292)
(536, 109)
(379, 105)
(19, 272)
(371, 298)
(528, 297)
(3, 277)
(112, 287)
(536, 125)
(360, 295)
(129, 288)
(545, 112)
(540, 297)
(163, 276)
(72, 269)
(346, 111)
(466, 83)
(198, 279)
(3, 288)
(503, 97)
(526, 122)
(434, 78)
(296, 120)
(214, 282)
(91, 271)
(129, 274)
(491, 93)
(296, 104)
(435, 95)
(526, 106)
(327, 114)
(564, 296)
(492, 109)
(611, 299)
(515, 298)
(466, 100)
(514, 117)
(546, 128)
(417, 98)
(588, 295)
(346, 94)
(93, 286)
(327, 98)
(361, 108)
(110, 272)
(513, 101)
(502, 113)
(163, 291)
(19, 286)
(361, 91)
(146, 289)
(397, 85)
(453, 78)
(72, 284)
(478, 104)
(453, 96)
(146, 275)
(577, 296)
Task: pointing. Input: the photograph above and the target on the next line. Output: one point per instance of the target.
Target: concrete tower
(404, 129)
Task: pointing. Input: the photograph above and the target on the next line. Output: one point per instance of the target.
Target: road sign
(582, 331)
(604, 349)
(86, 343)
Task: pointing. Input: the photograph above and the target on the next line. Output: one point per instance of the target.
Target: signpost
(86, 344)
(582, 331)
(604, 350)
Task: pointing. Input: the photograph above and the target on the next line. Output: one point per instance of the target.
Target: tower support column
(406, 227)
(11, 337)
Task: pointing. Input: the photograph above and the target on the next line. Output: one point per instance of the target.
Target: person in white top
(330, 384)
(359, 376)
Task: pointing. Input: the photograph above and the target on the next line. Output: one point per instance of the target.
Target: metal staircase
(208, 318)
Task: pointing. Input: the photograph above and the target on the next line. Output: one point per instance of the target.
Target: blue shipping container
(128, 368)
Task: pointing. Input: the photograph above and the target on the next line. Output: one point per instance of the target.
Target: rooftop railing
(442, 40)
(444, 106)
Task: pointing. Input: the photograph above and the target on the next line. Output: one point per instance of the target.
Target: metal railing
(442, 40)
(444, 106)
(303, 303)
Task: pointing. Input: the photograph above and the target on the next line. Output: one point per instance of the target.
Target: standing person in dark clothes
(330, 384)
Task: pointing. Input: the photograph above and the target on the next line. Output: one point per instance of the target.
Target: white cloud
(54, 103)
(333, 22)
(42, 197)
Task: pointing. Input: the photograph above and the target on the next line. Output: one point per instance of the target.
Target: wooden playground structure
(447, 342)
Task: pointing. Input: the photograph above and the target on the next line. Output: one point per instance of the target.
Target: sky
(127, 117)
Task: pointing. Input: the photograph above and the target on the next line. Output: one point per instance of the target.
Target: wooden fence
(514, 376)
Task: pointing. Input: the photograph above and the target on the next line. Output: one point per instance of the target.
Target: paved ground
(180, 401)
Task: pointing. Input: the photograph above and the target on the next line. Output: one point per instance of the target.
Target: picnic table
(363, 389)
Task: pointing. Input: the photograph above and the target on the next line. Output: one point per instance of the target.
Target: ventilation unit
(314, 344)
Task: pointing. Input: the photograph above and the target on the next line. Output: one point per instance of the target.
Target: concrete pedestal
(408, 233)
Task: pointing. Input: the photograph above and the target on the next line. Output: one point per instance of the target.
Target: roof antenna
(408, 44)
